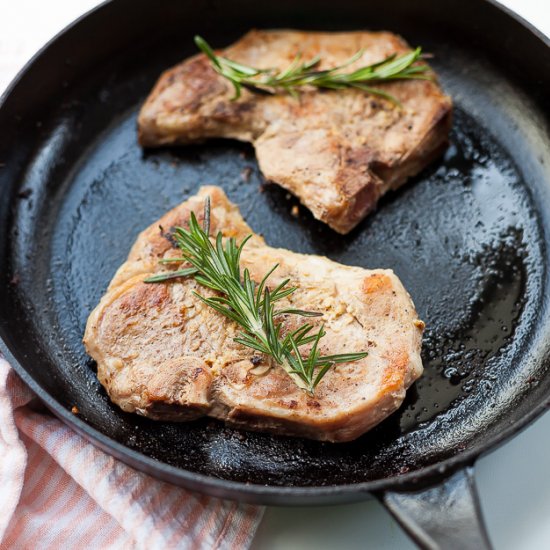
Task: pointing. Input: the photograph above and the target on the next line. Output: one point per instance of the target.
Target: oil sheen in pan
(456, 236)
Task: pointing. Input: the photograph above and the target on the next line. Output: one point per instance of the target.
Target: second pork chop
(337, 151)
(163, 353)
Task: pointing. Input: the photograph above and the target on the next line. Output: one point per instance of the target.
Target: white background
(514, 481)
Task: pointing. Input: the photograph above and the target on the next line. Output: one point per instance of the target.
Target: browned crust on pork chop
(338, 151)
(164, 354)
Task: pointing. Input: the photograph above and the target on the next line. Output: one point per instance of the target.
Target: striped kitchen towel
(60, 492)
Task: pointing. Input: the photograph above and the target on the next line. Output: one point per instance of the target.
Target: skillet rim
(255, 493)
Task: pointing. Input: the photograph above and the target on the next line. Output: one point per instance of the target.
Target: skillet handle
(445, 516)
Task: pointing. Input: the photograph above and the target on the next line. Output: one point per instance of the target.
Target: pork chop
(163, 353)
(337, 151)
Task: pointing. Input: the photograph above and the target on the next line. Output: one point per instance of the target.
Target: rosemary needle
(252, 306)
(304, 73)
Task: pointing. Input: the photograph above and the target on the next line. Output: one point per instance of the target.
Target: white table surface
(513, 481)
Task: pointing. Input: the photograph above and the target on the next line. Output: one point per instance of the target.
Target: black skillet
(469, 238)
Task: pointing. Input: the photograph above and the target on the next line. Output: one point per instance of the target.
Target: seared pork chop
(337, 151)
(163, 353)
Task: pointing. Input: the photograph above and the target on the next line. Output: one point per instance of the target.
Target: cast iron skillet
(469, 237)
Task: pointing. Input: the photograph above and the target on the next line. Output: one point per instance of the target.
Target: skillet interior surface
(468, 236)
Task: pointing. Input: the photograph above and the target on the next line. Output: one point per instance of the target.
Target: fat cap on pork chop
(337, 151)
(163, 353)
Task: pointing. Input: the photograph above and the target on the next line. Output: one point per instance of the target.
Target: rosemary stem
(249, 305)
(300, 74)
(296, 379)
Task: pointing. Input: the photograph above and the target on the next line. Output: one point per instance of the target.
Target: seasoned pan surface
(468, 237)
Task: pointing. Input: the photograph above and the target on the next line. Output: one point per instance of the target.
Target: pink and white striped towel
(58, 491)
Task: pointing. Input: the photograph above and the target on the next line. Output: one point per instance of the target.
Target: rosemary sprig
(304, 73)
(252, 306)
